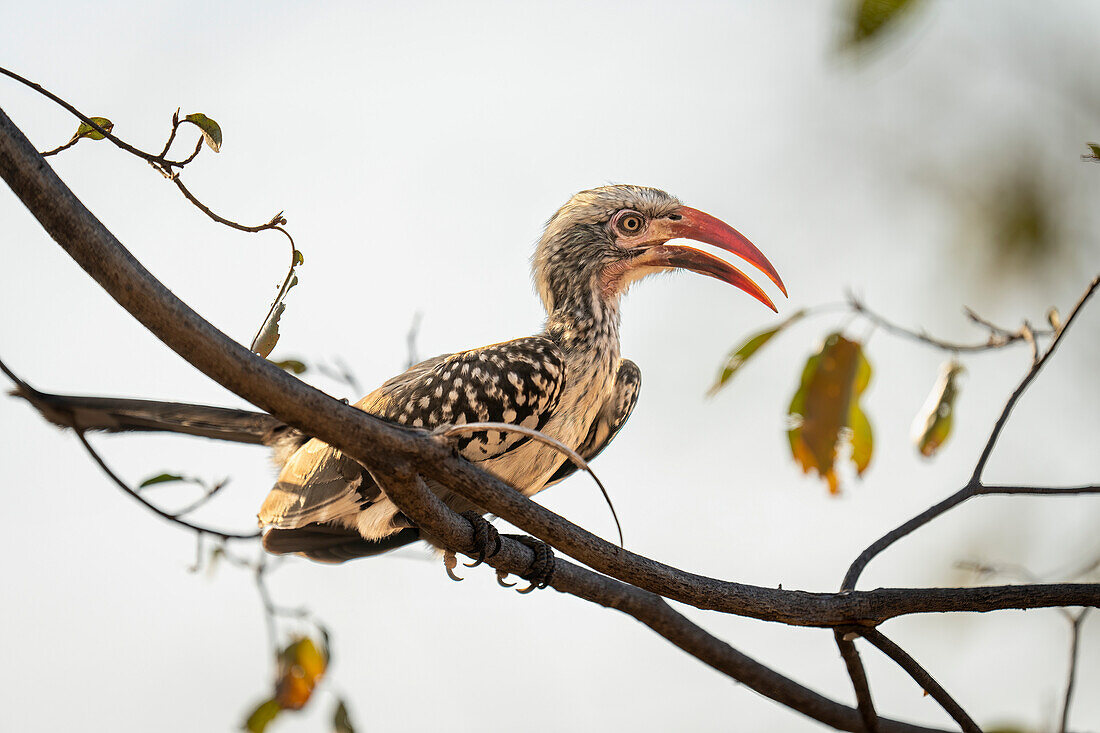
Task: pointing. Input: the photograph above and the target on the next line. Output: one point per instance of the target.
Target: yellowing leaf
(742, 353)
(932, 427)
(301, 666)
(825, 410)
(261, 716)
(291, 365)
(86, 130)
(211, 131)
(872, 16)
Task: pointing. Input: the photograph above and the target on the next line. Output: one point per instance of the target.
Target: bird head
(605, 239)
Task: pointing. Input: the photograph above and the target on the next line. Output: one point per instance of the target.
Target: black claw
(485, 537)
(541, 571)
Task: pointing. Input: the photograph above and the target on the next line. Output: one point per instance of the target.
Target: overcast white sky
(417, 148)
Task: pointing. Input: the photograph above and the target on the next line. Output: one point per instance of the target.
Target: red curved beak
(694, 224)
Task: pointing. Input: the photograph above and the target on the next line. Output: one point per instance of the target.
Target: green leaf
(737, 358)
(162, 478)
(86, 130)
(264, 713)
(291, 365)
(932, 426)
(825, 410)
(1095, 150)
(211, 130)
(872, 16)
(341, 722)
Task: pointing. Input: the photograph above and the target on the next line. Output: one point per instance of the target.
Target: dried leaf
(299, 259)
(211, 131)
(268, 334)
(162, 478)
(825, 410)
(264, 713)
(291, 365)
(341, 721)
(736, 358)
(1095, 152)
(932, 426)
(86, 130)
(301, 666)
(871, 16)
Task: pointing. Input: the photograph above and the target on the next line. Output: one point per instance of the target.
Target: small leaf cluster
(826, 421)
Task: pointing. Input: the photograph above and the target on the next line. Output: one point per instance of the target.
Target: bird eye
(630, 223)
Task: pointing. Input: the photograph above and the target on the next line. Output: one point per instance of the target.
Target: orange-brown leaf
(825, 410)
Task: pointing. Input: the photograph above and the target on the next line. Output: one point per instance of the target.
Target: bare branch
(986, 490)
(1037, 366)
(998, 337)
(858, 675)
(153, 507)
(1071, 677)
(921, 676)
(974, 486)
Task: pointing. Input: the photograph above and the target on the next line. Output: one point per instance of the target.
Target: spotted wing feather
(517, 382)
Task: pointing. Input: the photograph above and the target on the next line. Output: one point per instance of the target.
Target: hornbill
(567, 382)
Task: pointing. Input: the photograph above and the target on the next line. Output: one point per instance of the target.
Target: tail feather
(115, 415)
(332, 544)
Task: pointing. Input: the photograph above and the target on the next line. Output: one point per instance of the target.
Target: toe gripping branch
(487, 543)
(541, 571)
(486, 537)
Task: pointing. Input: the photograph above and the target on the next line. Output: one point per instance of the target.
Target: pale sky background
(417, 148)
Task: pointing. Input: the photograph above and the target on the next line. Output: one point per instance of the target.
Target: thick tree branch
(413, 497)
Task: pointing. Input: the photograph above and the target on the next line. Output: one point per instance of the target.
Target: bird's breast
(589, 381)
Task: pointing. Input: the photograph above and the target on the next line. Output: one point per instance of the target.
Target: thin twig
(921, 677)
(208, 494)
(858, 675)
(1071, 677)
(153, 507)
(989, 489)
(157, 159)
(974, 486)
(75, 139)
(998, 337)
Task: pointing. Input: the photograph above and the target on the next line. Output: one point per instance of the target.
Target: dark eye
(630, 224)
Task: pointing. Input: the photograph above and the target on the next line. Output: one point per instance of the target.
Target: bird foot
(486, 537)
(450, 562)
(541, 571)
